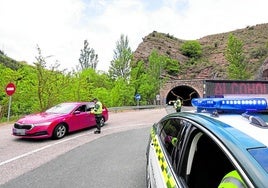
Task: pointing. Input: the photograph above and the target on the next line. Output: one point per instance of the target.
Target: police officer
(232, 180)
(177, 105)
(97, 111)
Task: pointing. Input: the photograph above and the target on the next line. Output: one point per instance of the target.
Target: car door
(203, 162)
(162, 153)
(80, 118)
(91, 117)
(154, 177)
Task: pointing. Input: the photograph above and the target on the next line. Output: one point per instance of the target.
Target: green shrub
(191, 49)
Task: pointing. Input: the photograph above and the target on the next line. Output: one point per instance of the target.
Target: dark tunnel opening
(185, 93)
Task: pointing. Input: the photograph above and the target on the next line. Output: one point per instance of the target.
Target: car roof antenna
(215, 113)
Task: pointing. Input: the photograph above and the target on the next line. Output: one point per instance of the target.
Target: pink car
(57, 121)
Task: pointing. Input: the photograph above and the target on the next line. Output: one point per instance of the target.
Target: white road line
(39, 149)
(65, 140)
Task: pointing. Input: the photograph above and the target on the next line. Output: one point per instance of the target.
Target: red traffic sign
(10, 89)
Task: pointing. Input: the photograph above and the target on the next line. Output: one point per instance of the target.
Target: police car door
(162, 152)
(153, 172)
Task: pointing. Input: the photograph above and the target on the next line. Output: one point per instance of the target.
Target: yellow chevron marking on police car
(168, 178)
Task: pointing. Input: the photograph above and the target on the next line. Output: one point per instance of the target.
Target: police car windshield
(264, 116)
(260, 155)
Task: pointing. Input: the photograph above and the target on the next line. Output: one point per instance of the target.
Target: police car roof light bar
(230, 104)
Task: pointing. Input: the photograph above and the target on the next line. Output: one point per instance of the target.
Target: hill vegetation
(212, 64)
(157, 59)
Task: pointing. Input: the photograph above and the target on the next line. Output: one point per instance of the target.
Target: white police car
(198, 149)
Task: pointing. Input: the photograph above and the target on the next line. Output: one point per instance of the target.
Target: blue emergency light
(230, 104)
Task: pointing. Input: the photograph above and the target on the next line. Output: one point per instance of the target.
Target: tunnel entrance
(185, 93)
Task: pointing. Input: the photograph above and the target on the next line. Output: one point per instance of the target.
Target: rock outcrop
(212, 64)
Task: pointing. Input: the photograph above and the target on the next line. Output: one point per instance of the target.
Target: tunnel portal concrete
(186, 90)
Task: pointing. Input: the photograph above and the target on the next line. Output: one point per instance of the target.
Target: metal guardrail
(124, 108)
(169, 108)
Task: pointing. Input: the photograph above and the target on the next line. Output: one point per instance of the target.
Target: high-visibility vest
(174, 141)
(177, 104)
(97, 108)
(232, 180)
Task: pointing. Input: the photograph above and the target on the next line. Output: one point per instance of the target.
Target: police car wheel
(148, 182)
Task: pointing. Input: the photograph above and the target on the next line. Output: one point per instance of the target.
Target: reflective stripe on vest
(168, 178)
(234, 181)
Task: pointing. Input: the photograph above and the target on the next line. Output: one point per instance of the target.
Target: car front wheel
(60, 131)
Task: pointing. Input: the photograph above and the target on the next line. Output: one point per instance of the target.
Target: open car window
(90, 106)
(204, 163)
(170, 134)
(82, 108)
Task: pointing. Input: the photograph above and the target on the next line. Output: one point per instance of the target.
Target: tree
(235, 56)
(7, 75)
(88, 58)
(147, 80)
(135, 75)
(26, 90)
(148, 88)
(120, 65)
(122, 93)
(50, 82)
(2, 52)
(191, 49)
(172, 66)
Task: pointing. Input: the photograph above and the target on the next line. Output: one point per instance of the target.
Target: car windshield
(260, 155)
(63, 108)
(264, 116)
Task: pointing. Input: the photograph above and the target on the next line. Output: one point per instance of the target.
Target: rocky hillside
(213, 64)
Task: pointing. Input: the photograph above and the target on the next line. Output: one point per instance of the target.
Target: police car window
(159, 127)
(204, 163)
(169, 134)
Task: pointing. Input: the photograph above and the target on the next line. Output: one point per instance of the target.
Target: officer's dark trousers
(98, 121)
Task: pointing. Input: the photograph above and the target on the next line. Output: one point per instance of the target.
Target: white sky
(59, 27)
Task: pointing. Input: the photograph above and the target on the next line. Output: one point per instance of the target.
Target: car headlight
(42, 123)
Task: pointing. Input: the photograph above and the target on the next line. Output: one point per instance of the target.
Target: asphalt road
(115, 158)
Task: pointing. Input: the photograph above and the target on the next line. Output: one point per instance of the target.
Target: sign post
(158, 99)
(138, 98)
(10, 90)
